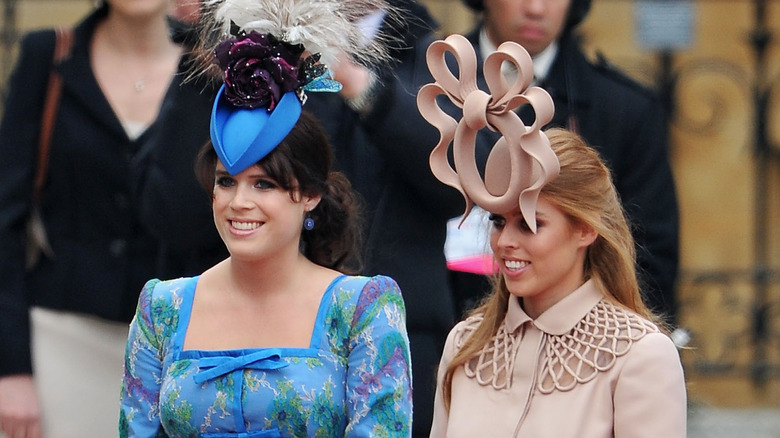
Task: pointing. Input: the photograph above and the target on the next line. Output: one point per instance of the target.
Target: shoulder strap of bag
(64, 41)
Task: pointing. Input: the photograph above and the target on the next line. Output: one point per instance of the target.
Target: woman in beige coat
(563, 347)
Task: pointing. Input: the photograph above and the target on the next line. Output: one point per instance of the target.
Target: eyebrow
(260, 173)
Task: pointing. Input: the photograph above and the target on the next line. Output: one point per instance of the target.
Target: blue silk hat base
(243, 136)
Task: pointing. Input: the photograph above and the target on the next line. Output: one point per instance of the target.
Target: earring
(308, 223)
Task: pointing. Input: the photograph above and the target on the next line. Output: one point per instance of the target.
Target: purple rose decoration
(259, 69)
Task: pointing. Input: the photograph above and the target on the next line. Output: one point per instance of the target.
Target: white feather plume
(328, 27)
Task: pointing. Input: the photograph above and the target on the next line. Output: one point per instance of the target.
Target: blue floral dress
(354, 380)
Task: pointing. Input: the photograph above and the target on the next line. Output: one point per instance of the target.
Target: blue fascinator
(243, 136)
(259, 49)
(261, 98)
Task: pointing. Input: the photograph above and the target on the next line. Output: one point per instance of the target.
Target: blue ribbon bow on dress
(217, 366)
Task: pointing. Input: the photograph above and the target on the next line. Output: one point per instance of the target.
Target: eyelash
(266, 184)
(262, 184)
(224, 181)
(499, 222)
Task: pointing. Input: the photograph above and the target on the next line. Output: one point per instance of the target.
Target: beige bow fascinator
(521, 162)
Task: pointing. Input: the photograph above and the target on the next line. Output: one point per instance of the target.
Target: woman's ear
(311, 202)
(587, 235)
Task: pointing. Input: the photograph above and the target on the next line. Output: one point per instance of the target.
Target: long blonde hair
(584, 192)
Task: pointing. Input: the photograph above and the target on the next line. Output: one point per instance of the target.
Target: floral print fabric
(354, 380)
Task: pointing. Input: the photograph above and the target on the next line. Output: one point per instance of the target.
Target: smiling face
(534, 24)
(255, 216)
(540, 268)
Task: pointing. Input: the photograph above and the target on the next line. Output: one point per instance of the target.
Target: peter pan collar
(561, 317)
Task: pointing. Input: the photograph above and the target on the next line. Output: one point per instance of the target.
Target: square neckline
(185, 313)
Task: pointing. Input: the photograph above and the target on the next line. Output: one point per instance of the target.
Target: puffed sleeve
(140, 397)
(379, 379)
(650, 397)
(441, 415)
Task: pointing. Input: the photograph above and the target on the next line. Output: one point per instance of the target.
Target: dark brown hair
(301, 164)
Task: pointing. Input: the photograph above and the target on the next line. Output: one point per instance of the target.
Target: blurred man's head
(534, 24)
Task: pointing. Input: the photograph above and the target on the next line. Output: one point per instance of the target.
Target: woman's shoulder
(622, 321)
(612, 326)
(160, 304)
(367, 295)
(602, 340)
(39, 38)
(165, 293)
(377, 283)
(460, 333)
(37, 49)
(165, 289)
(656, 342)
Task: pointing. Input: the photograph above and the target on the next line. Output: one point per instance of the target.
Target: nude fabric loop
(521, 162)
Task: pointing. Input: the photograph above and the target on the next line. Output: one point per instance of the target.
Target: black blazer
(103, 253)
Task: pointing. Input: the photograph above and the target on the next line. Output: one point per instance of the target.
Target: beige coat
(584, 369)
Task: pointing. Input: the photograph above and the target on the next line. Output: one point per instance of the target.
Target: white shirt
(542, 61)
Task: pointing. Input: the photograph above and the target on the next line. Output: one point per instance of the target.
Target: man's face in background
(534, 24)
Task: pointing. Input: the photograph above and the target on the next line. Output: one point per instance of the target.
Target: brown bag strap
(64, 41)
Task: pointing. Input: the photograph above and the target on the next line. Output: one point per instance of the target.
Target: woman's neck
(269, 277)
(147, 38)
(134, 62)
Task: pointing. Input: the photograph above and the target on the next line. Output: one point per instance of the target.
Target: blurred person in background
(63, 320)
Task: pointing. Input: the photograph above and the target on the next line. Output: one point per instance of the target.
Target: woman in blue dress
(276, 340)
